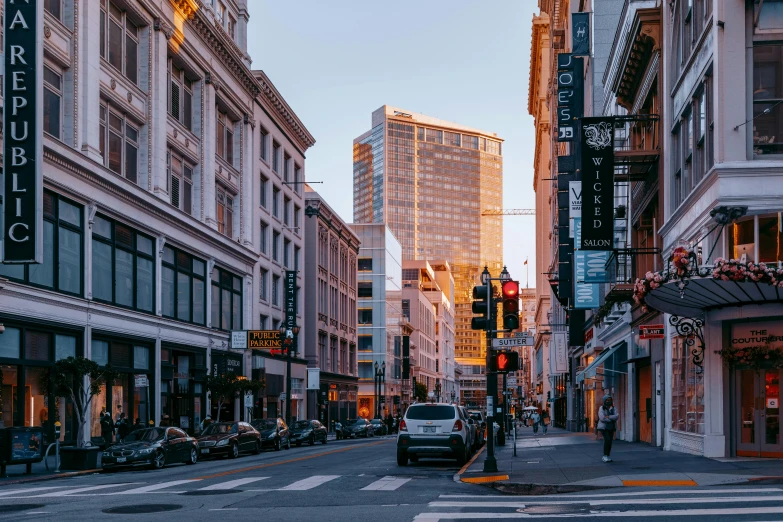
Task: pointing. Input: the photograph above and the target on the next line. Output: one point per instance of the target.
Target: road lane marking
(659, 483)
(231, 484)
(387, 483)
(29, 490)
(68, 492)
(154, 487)
(631, 493)
(289, 461)
(434, 517)
(309, 483)
(605, 502)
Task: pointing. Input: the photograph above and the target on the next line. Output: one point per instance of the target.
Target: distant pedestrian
(390, 423)
(536, 419)
(123, 427)
(607, 425)
(107, 429)
(138, 425)
(206, 422)
(544, 420)
(165, 422)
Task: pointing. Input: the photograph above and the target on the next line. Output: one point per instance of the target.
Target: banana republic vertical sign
(23, 132)
(597, 146)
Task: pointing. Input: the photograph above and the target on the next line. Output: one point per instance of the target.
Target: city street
(354, 480)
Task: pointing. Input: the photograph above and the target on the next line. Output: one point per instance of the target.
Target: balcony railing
(637, 146)
(621, 272)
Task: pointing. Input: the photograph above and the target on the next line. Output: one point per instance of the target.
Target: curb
(41, 478)
(458, 475)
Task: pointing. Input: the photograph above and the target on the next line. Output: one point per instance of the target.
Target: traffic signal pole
(490, 463)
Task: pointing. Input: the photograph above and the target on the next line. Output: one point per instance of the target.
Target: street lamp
(380, 378)
(504, 275)
(485, 276)
(289, 341)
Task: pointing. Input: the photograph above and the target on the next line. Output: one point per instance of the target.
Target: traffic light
(481, 307)
(504, 362)
(510, 305)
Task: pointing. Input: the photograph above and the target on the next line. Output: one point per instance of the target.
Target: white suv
(433, 430)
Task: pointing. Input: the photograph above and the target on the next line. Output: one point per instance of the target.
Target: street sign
(282, 396)
(248, 401)
(651, 331)
(141, 380)
(313, 378)
(511, 382)
(512, 342)
(523, 334)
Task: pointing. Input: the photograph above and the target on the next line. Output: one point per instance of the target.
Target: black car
(274, 433)
(154, 447)
(360, 427)
(379, 427)
(221, 439)
(310, 431)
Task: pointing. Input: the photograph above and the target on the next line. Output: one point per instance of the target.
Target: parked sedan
(274, 433)
(154, 447)
(360, 427)
(379, 427)
(310, 431)
(221, 439)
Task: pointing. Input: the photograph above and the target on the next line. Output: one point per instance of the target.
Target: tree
(228, 386)
(420, 393)
(80, 379)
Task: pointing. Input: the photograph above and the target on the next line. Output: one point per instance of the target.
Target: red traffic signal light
(511, 305)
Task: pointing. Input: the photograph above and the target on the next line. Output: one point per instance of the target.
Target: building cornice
(290, 120)
(540, 31)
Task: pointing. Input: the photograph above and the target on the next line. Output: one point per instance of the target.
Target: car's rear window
(428, 412)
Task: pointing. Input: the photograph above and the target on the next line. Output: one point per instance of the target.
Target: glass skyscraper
(429, 180)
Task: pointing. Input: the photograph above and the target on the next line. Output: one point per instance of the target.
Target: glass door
(758, 395)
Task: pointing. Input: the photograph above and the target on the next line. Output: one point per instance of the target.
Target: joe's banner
(597, 147)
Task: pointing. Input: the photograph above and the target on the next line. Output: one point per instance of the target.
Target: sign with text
(313, 378)
(140, 380)
(597, 146)
(558, 355)
(586, 295)
(757, 333)
(574, 205)
(512, 342)
(580, 34)
(23, 132)
(570, 95)
(290, 298)
(651, 331)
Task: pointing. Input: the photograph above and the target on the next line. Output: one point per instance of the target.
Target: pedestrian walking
(536, 418)
(390, 423)
(123, 428)
(138, 425)
(165, 422)
(107, 428)
(607, 425)
(206, 422)
(544, 420)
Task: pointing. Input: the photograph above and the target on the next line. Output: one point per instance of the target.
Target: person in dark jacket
(123, 427)
(165, 422)
(390, 423)
(107, 428)
(138, 425)
(607, 425)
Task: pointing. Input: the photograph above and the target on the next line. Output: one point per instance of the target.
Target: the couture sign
(757, 333)
(23, 132)
(597, 147)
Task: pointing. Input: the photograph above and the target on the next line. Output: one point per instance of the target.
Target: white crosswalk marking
(309, 483)
(386, 484)
(231, 484)
(76, 491)
(154, 487)
(28, 490)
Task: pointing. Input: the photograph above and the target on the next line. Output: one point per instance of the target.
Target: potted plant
(80, 380)
(227, 387)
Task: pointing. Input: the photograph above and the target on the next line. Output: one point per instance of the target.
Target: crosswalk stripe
(82, 490)
(734, 511)
(309, 483)
(605, 502)
(663, 492)
(231, 484)
(28, 490)
(155, 487)
(387, 483)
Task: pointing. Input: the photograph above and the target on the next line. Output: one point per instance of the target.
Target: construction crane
(509, 212)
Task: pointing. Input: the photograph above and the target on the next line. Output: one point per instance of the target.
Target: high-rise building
(429, 180)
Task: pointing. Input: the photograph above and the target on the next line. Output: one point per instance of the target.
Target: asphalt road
(353, 480)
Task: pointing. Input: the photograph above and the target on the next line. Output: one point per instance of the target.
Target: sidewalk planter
(73, 458)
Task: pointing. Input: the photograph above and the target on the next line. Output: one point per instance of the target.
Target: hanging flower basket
(755, 357)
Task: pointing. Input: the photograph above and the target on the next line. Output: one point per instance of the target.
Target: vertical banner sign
(566, 97)
(406, 357)
(585, 294)
(558, 353)
(597, 147)
(574, 205)
(23, 132)
(580, 34)
(290, 299)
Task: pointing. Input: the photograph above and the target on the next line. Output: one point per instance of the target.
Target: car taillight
(403, 426)
(457, 426)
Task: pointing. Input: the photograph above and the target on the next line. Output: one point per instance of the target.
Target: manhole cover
(141, 509)
(553, 510)
(212, 492)
(20, 507)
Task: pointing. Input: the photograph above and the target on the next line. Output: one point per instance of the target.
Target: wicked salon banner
(597, 148)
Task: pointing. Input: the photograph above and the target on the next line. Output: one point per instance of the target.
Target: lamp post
(289, 341)
(380, 377)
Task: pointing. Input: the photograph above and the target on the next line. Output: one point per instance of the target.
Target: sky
(465, 61)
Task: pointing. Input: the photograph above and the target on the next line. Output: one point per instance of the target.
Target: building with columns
(170, 213)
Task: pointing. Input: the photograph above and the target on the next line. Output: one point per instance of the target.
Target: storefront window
(64, 346)
(62, 249)
(123, 270)
(687, 390)
(10, 341)
(184, 286)
(226, 300)
(743, 239)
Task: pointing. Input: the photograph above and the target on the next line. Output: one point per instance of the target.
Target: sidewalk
(564, 461)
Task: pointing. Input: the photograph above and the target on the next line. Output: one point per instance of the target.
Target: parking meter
(57, 427)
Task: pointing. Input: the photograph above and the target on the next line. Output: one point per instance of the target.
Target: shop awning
(590, 370)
